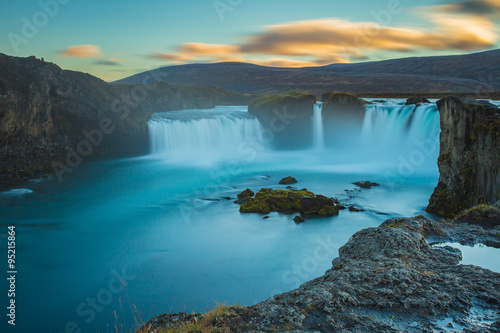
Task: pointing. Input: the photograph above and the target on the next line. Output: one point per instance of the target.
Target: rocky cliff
(385, 279)
(343, 116)
(469, 159)
(286, 117)
(52, 115)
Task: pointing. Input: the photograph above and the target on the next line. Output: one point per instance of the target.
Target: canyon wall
(48, 114)
(469, 159)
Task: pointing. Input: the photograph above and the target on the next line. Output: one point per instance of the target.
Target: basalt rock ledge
(469, 159)
(385, 279)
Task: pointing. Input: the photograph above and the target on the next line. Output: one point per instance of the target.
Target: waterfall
(389, 131)
(215, 131)
(318, 126)
(398, 129)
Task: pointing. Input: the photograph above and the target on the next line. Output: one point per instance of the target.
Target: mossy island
(288, 202)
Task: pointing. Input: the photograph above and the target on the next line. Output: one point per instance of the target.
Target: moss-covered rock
(298, 219)
(483, 215)
(246, 194)
(289, 201)
(291, 100)
(328, 211)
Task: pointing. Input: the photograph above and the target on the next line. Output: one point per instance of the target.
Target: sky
(114, 39)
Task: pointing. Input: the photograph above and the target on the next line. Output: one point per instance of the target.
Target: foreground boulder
(469, 159)
(290, 201)
(385, 279)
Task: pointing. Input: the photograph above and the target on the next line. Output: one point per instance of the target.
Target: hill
(470, 73)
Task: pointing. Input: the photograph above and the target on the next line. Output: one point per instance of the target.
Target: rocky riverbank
(385, 279)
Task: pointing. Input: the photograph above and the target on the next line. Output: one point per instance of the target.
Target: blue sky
(114, 39)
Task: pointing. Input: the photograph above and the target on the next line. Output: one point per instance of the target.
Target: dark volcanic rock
(343, 116)
(343, 106)
(246, 194)
(416, 100)
(355, 209)
(366, 184)
(385, 279)
(469, 159)
(485, 216)
(298, 219)
(318, 205)
(288, 180)
(288, 116)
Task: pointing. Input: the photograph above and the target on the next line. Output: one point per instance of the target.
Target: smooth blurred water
(478, 255)
(164, 220)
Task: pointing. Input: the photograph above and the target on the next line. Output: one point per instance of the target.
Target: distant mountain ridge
(477, 72)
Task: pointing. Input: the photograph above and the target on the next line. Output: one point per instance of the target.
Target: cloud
(273, 62)
(463, 26)
(474, 7)
(342, 39)
(110, 62)
(106, 63)
(203, 49)
(82, 51)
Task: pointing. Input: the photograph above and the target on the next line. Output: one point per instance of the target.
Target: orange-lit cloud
(323, 41)
(202, 49)
(273, 62)
(82, 51)
(473, 7)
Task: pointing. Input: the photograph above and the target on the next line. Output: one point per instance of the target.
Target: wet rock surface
(385, 279)
(469, 229)
(288, 181)
(366, 184)
(416, 100)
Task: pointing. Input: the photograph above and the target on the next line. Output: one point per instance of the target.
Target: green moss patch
(289, 201)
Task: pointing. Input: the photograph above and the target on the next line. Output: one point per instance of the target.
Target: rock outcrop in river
(343, 116)
(287, 116)
(385, 279)
(469, 159)
(48, 114)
